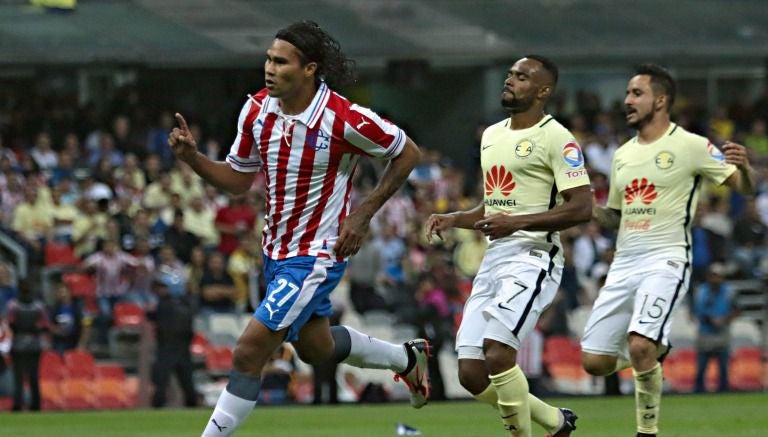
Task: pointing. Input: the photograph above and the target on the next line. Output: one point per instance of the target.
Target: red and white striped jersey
(308, 160)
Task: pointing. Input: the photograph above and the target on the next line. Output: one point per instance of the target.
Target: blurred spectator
(113, 270)
(158, 193)
(28, 320)
(32, 218)
(749, 236)
(106, 152)
(588, 248)
(599, 151)
(434, 322)
(44, 156)
(179, 238)
(186, 183)
(64, 169)
(217, 289)
(469, 251)
(200, 221)
(173, 319)
(365, 273)
(8, 288)
(172, 271)
(63, 215)
(195, 270)
(233, 221)
(757, 142)
(276, 377)
(130, 173)
(140, 290)
(714, 307)
(719, 226)
(157, 139)
(70, 322)
(721, 127)
(244, 266)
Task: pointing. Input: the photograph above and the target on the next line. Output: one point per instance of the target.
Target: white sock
(371, 353)
(230, 411)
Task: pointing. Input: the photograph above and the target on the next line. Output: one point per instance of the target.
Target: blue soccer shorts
(298, 288)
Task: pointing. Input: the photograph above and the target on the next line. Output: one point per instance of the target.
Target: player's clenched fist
(735, 154)
(437, 223)
(182, 143)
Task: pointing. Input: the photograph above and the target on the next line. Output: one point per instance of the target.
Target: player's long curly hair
(316, 45)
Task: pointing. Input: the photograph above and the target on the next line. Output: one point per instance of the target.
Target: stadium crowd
(102, 190)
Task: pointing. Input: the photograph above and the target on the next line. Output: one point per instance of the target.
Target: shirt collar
(314, 111)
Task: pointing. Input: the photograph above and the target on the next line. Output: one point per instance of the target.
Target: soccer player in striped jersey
(655, 181)
(535, 185)
(307, 139)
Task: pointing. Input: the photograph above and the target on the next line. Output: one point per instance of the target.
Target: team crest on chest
(664, 160)
(318, 140)
(524, 148)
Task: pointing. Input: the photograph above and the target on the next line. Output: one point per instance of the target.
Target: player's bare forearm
(606, 217)
(391, 180)
(467, 219)
(576, 209)
(742, 180)
(220, 174)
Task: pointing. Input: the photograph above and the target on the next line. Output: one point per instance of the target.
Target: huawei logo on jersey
(642, 189)
(499, 178)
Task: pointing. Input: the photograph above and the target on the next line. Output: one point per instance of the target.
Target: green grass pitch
(737, 415)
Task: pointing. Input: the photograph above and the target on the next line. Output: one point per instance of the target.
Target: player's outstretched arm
(742, 180)
(437, 223)
(355, 225)
(219, 174)
(608, 218)
(575, 210)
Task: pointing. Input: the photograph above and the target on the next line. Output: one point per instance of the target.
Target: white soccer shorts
(638, 296)
(513, 286)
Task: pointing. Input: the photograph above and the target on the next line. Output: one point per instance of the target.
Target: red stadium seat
(51, 397)
(52, 366)
(128, 314)
(218, 360)
(80, 364)
(78, 393)
(60, 255)
(110, 371)
(199, 345)
(110, 393)
(80, 284)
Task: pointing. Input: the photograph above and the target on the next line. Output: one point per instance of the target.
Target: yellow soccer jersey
(524, 170)
(656, 188)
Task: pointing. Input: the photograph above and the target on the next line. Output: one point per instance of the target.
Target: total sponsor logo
(499, 180)
(715, 153)
(645, 192)
(572, 155)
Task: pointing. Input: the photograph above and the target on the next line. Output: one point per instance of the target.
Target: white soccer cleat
(416, 375)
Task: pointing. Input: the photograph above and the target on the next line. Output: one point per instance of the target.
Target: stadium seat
(60, 255)
(218, 360)
(51, 397)
(559, 349)
(680, 369)
(78, 393)
(110, 393)
(746, 369)
(111, 371)
(128, 315)
(228, 324)
(199, 345)
(80, 284)
(52, 367)
(80, 364)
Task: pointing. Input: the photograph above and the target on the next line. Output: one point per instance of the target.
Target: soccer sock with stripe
(648, 385)
(512, 390)
(235, 404)
(361, 350)
(547, 416)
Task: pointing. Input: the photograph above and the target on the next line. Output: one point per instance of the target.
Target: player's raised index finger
(182, 122)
